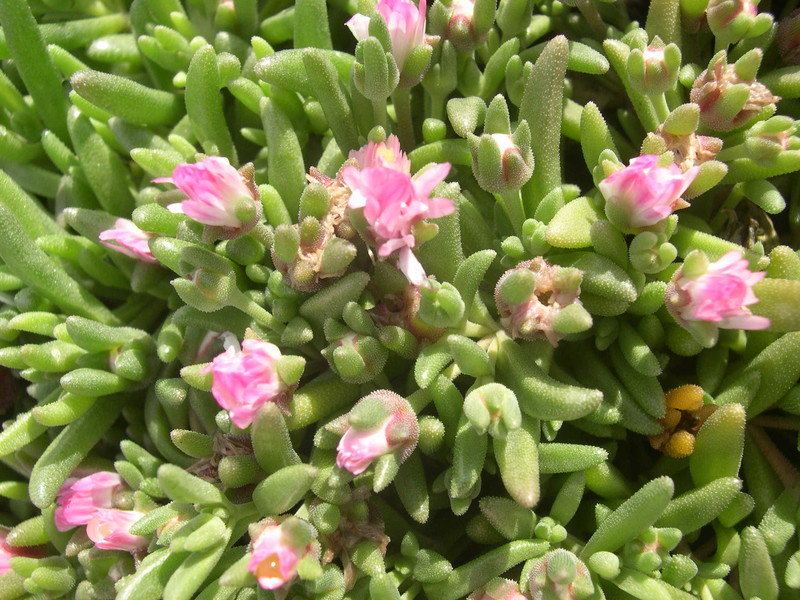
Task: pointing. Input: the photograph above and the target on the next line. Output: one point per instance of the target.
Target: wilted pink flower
(719, 295)
(643, 194)
(110, 530)
(218, 194)
(127, 238)
(393, 202)
(79, 500)
(245, 379)
(397, 432)
(275, 557)
(406, 24)
(382, 154)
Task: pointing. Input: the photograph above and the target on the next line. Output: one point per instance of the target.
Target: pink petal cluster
(245, 379)
(719, 296)
(396, 433)
(215, 190)
(274, 560)
(78, 500)
(406, 24)
(110, 530)
(393, 202)
(127, 238)
(643, 194)
(382, 154)
(501, 589)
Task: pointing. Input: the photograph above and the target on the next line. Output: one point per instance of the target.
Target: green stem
(401, 98)
(512, 204)
(734, 197)
(593, 18)
(379, 112)
(660, 105)
(248, 305)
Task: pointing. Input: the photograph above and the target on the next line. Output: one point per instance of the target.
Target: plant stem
(401, 98)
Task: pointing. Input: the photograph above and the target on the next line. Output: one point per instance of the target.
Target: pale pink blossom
(217, 193)
(398, 432)
(720, 295)
(393, 203)
(275, 557)
(406, 24)
(382, 154)
(245, 378)
(78, 500)
(499, 589)
(110, 530)
(643, 194)
(127, 238)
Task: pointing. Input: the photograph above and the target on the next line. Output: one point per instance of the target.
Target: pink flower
(275, 557)
(245, 379)
(718, 294)
(79, 500)
(218, 194)
(127, 238)
(498, 589)
(406, 24)
(110, 530)
(382, 154)
(643, 194)
(393, 203)
(397, 432)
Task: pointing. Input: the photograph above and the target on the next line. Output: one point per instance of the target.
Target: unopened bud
(560, 575)
(501, 162)
(440, 304)
(732, 20)
(767, 139)
(493, 408)
(356, 358)
(651, 252)
(655, 69)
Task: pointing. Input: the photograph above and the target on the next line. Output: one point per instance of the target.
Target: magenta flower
(382, 154)
(245, 379)
(397, 432)
(79, 500)
(498, 589)
(643, 194)
(716, 293)
(406, 24)
(275, 557)
(127, 238)
(110, 530)
(218, 194)
(393, 203)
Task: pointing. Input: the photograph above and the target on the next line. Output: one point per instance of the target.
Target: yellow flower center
(269, 568)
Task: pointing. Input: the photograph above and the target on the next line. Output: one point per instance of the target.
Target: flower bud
(560, 575)
(703, 297)
(78, 500)
(375, 72)
(355, 358)
(440, 304)
(530, 297)
(765, 140)
(379, 424)
(788, 38)
(464, 23)
(498, 589)
(493, 408)
(654, 70)
(651, 252)
(728, 95)
(501, 162)
(732, 20)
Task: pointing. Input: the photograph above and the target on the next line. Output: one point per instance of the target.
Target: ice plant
(127, 238)
(393, 202)
(217, 195)
(276, 551)
(406, 24)
(498, 589)
(379, 424)
(643, 194)
(79, 500)
(110, 530)
(8, 552)
(704, 296)
(245, 378)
